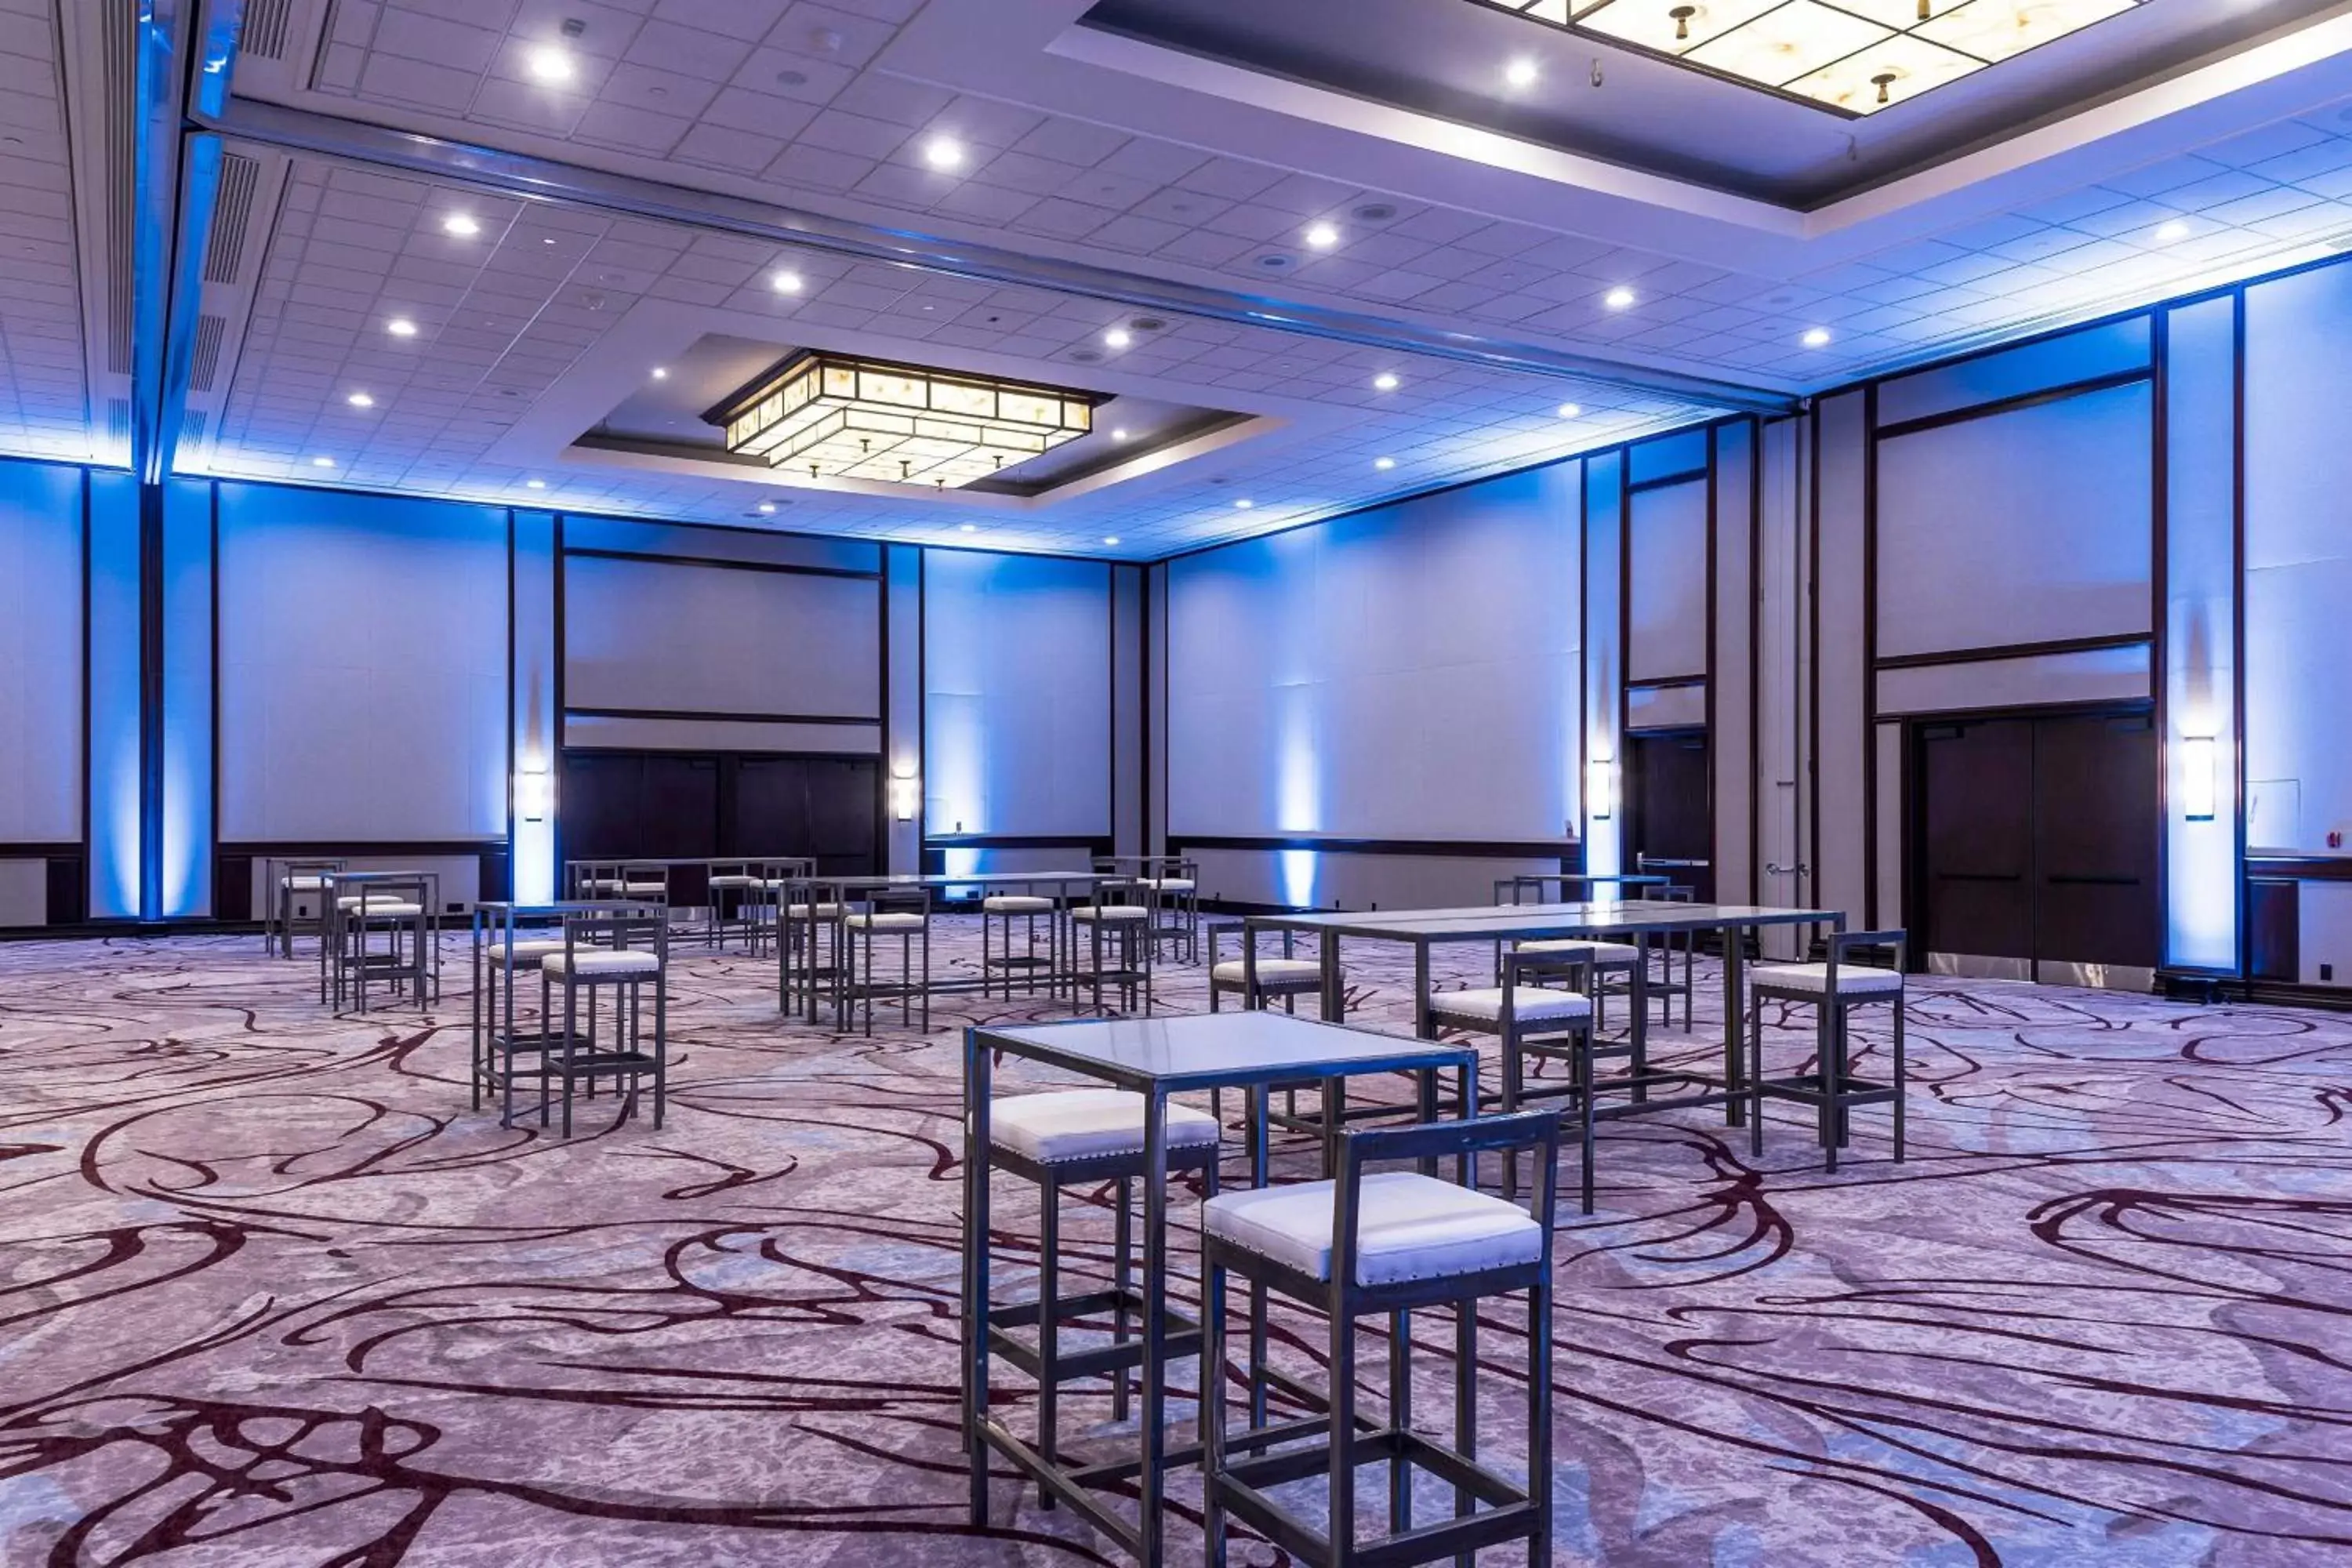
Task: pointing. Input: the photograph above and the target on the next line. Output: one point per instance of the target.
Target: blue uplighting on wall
(115, 861)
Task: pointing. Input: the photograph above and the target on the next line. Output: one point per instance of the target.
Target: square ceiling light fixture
(838, 417)
(1851, 56)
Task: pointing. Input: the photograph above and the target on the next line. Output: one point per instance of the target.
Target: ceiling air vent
(118, 418)
(205, 362)
(231, 211)
(264, 28)
(192, 428)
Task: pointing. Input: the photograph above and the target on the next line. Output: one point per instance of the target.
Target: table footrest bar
(1810, 1089)
(1064, 1485)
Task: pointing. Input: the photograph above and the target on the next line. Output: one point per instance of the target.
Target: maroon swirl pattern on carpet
(271, 1292)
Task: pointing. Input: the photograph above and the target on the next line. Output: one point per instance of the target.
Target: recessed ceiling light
(767, 509)
(1385, 381)
(549, 64)
(786, 282)
(1244, 504)
(534, 484)
(322, 461)
(1619, 297)
(1118, 435)
(461, 224)
(1322, 236)
(943, 153)
(661, 373)
(967, 528)
(2171, 230)
(1521, 72)
(1817, 337)
(1117, 337)
(1384, 463)
(401, 327)
(1110, 538)
(359, 400)
(1570, 410)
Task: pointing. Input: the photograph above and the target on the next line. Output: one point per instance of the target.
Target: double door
(2034, 846)
(701, 804)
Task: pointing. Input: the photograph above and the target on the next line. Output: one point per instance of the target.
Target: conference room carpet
(271, 1291)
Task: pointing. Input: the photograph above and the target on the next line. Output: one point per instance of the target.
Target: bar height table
(1154, 1058)
(1424, 929)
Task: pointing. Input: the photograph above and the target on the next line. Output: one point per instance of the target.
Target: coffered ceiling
(1301, 207)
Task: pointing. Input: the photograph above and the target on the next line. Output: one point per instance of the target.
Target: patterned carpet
(272, 1293)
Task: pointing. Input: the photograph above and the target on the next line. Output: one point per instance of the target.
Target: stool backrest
(1427, 1143)
(1846, 947)
(623, 930)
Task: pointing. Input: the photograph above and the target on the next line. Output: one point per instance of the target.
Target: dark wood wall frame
(1998, 652)
(1870, 439)
(1422, 849)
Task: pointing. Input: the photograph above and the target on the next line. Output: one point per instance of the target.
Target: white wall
(1404, 673)
(362, 668)
(40, 654)
(1016, 695)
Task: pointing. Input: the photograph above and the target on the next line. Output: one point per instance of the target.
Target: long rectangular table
(1424, 929)
(1155, 1057)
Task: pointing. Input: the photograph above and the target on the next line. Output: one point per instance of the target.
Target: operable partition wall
(2110, 554)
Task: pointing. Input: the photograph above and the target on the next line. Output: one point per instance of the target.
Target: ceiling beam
(528, 177)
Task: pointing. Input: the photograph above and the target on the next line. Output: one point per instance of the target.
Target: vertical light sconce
(1600, 788)
(905, 792)
(533, 792)
(2200, 760)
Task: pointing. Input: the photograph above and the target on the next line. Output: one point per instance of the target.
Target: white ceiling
(1085, 148)
(45, 401)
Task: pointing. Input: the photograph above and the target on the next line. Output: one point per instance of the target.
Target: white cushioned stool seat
(733, 879)
(894, 919)
(1016, 904)
(1110, 912)
(600, 961)
(525, 952)
(1082, 1123)
(645, 890)
(1170, 884)
(1410, 1227)
(823, 911)
(1271, 971)
(1813, 979)
(1529, 1003)
(1605, 954)
(380, 908)
(302, 884)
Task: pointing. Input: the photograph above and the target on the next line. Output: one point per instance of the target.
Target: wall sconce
(533, 792)
(906, 793)
(1600, 788)
(2201, 761)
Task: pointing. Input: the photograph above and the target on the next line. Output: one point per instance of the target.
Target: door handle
(1798, 869)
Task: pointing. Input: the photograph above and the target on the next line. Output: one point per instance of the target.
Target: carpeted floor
(271, 1292)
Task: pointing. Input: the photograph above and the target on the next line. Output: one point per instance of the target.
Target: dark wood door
(690, 804)
(2035, 838)
(2094, 810)
(1668, 807)
(1976, 838)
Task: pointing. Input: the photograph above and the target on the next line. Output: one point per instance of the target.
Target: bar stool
(998, 913)
(500, 956)
(289, 880)
(1175, 886)
(905, 914)
(1384, 1244)
(1086, 1138)
(1531, 1020)
(1603, 958)
(733, 885)
(1121, 913)
(621, 954)
(1255, 980)
(808, 928)
(1834, 988)
(396, 908)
